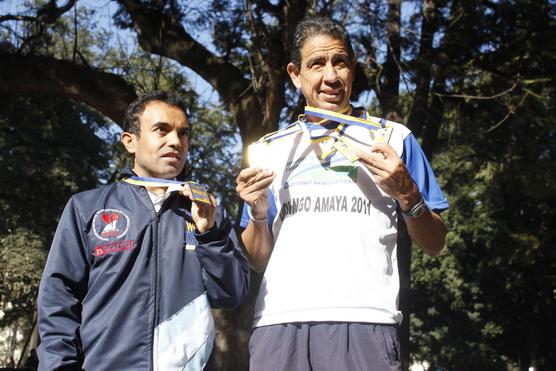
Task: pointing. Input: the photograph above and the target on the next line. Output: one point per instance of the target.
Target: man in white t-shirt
(320, 219)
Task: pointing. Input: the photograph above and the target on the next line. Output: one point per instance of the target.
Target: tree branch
(48, 13)
(15, 17)
(107, 93)
(164, 35)
(477, 97)
(511, 111)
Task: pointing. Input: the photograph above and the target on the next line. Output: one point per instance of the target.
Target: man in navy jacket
(134, 269)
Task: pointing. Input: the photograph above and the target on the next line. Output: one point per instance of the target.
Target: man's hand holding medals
(389, 172)
(383, 164)
(252, 185)
(203, 205)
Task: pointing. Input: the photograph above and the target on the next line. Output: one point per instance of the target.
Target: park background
(473, 80)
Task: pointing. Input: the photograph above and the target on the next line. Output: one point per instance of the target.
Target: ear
(294, 74)
(129, 140)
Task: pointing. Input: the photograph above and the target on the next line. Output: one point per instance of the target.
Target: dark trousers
(328, 346)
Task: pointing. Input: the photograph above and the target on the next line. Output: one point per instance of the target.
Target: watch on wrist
(417, 210)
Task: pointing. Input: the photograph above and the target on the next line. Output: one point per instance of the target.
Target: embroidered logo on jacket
(110, 224)
(190, 240)
(111, 247)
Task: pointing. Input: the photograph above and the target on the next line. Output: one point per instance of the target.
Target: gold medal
(382, 135)
(345, 149)
(199, 193)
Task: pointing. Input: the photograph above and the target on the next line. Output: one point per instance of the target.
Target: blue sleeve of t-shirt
(421, 172)
(271, 214)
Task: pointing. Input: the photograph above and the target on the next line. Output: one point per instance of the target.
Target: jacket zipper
(155, 284)
(156, 245)
(156, 304)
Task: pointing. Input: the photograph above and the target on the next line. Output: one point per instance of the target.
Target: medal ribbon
(310, 128)
(198, 191)
(343, 117)
(152, 182)
(373, 123)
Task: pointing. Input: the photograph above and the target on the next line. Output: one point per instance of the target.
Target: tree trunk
(419, 114)
(390, 82)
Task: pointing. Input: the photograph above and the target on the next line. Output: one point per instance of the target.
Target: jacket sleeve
(62, 288)
(226, 270)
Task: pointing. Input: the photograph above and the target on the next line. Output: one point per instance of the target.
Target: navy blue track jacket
(126, 288)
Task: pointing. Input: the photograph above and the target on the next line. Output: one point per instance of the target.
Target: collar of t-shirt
(158, 200)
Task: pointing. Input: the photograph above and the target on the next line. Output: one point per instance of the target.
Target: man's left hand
(390, 173)
(204, 215)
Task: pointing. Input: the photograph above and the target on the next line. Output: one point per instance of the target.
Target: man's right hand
(252, 185)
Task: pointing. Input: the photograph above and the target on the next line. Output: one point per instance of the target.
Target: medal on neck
(380, 130)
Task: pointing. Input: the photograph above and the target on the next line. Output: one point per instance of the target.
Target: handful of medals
(380, 129)
(381, 132)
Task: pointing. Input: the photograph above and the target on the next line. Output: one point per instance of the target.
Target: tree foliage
(48, 151)
(492, 294)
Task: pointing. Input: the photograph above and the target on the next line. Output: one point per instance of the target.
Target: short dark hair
(316, 25)
(136, 108)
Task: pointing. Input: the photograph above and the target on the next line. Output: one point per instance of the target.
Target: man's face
(326, 73)
(161, 148)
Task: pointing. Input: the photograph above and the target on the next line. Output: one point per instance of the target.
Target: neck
(346, 110)
(159, 191)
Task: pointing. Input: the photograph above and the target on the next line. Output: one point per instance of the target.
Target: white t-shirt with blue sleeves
(334, 230)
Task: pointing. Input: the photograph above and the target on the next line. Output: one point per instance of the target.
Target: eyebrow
(164, 124)
(342, 56)
(314, 59)
(339, 56)
(159, 124)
